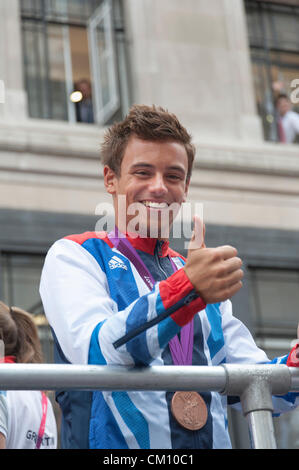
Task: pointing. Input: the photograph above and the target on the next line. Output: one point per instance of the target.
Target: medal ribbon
(43, 421)
(181, 351)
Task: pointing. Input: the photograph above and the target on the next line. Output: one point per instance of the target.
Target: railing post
(255, 386)
(257, 407)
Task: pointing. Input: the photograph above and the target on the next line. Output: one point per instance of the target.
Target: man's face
(85, 89)
(283, 106)
(153, 180)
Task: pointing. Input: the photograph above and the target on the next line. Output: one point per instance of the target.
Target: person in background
(288, 120)
(27, 419)
(84, 108)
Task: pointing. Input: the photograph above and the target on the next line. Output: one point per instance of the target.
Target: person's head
(148, 123)
(84, 86)
(148, 158)
(20, 335)
(283, 104)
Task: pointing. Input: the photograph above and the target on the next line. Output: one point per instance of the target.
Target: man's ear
(110, 179)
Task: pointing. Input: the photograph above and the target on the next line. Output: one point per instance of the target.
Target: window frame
(103, 112)
(38, 21)
(261, 57)
(262, 329)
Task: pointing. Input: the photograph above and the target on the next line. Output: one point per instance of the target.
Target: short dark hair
(281, 96)
(150, 123)
(20, 335)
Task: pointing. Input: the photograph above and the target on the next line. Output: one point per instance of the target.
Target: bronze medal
(189, 409)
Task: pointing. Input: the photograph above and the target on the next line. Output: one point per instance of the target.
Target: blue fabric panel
(104, 432)
(137, 347)
(133, 418)
(95, 246)
(167, 329)
(279, 360)
(215, 339)
(95, 355)
(290, 397)
(122, 285)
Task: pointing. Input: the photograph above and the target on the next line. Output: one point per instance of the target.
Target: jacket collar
(148, 245)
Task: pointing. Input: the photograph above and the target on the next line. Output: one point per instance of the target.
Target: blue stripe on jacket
(102, 253)
(104, 432)
(215, 340)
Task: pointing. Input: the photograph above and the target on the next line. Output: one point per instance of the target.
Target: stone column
(11, 62)
(193, 58)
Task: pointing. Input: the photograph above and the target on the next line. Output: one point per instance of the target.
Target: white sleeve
(72, 289)
(239, 343)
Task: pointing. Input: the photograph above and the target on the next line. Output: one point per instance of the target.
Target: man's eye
(142, 173)
(174, 177)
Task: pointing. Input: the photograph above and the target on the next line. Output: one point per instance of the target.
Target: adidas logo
(116, 262)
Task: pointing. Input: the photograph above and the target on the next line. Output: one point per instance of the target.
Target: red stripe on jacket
(172, 290)
(82, 237)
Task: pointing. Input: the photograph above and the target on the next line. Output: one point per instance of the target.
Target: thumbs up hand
(215, 273)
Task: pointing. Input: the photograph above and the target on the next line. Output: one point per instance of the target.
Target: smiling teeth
(155, 205)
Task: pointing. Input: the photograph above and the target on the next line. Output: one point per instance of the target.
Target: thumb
(197, 239)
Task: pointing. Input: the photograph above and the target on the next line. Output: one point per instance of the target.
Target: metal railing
(254, 384)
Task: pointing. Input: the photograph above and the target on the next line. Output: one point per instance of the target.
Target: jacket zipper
(157, 258)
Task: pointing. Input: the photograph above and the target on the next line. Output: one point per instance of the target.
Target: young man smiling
(98, 289)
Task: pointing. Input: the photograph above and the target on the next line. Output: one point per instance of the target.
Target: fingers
(232, 264)
(234, 277)
(226, 251)
(228, 283)
(231, 267)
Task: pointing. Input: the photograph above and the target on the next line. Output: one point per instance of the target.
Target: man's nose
(157, 185)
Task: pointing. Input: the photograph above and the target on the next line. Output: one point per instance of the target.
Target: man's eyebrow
(142, 164)
(148, 165)
(177, 168)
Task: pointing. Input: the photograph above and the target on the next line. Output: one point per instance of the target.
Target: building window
(20, 288)
(75, 60)
(274, 45)
(275, 294)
